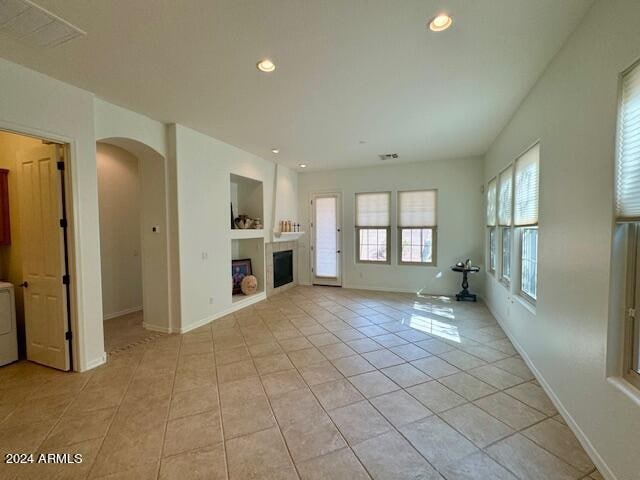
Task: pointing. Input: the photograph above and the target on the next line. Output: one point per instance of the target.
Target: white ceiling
(347, 70)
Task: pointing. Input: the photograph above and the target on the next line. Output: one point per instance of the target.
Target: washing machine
(8, 333)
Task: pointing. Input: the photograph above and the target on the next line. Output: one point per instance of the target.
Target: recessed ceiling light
(275, 150)
(440, 22)
(266, 66)
(302, 165)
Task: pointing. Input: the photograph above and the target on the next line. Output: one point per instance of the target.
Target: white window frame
(526, 295)
(506, 280)
(433, 228)
(518, 230)
(386, 261)
(492, 249)
(626, 212)
(434, 249)
(505, 226)
(632, 319)
(358, 229)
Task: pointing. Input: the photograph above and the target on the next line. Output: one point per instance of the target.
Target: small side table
(464, 293)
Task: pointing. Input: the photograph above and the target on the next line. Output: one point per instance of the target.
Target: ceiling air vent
(29, 23)
(388, 156)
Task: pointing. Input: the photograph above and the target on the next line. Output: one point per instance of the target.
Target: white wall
(204, 166)
(120, 243)
(459, 222)
(286, 199)
(34, 103)
(572, 110)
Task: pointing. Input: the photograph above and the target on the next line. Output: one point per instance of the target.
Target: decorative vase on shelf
(249, 285)
(243, 222)
(257, 224)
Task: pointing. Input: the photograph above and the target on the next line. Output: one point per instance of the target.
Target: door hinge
(66, 279)
(60, 165)
(68, 335)
(63, 223)
(632, 313)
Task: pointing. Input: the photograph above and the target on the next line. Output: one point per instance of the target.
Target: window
(525, 216)
(627, 185)
(491, 223)
(492, 249)
(373, 227)
(417, 227)
(529, 265)
(506, 255)
(631, 325)
(505, 209)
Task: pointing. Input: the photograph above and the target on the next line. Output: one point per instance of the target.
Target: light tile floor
(125, 332)
(315, 383)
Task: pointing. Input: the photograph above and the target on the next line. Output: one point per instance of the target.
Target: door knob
(24, 284)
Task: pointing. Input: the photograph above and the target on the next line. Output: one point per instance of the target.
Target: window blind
(505, 197)
(417, 209)
(491, 203)
(526, 188)
(372, 209)
(628, 155)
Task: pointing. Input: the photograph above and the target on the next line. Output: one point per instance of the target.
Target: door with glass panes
(326, 264)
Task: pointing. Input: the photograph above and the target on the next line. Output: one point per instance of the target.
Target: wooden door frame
(68, 149)
(312, 233)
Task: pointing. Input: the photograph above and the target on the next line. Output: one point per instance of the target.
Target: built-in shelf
(246, 197)
(238, 233)
(288, 236)
(241, 301)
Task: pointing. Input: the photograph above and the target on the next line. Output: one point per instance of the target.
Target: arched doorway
(134, 241)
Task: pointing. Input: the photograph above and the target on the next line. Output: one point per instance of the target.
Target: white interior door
(326, 258)
(43, 267)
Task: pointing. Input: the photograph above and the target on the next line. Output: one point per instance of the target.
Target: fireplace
(282, 268)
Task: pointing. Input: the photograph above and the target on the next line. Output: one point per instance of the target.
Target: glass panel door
(326, 239)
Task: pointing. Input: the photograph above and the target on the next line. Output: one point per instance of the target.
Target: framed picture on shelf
(239, 270)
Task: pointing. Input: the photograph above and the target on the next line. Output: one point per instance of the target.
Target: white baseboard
(598, 461)
(258, 297)
(96, 362)
(122, 312)
(156, 328)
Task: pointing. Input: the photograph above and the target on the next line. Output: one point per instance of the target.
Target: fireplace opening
(282, 268)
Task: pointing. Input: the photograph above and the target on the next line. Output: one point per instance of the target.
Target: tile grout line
(171, 392)
(224, 440)
(93, 464)
(338, 306)
(295, 367)
(438, 414)
(346, 443)
(270, 406)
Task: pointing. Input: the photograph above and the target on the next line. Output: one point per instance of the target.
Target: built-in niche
(246, 199)
(253, 249)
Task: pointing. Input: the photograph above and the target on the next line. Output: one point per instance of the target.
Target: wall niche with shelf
(246, 197)
(252, 248)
